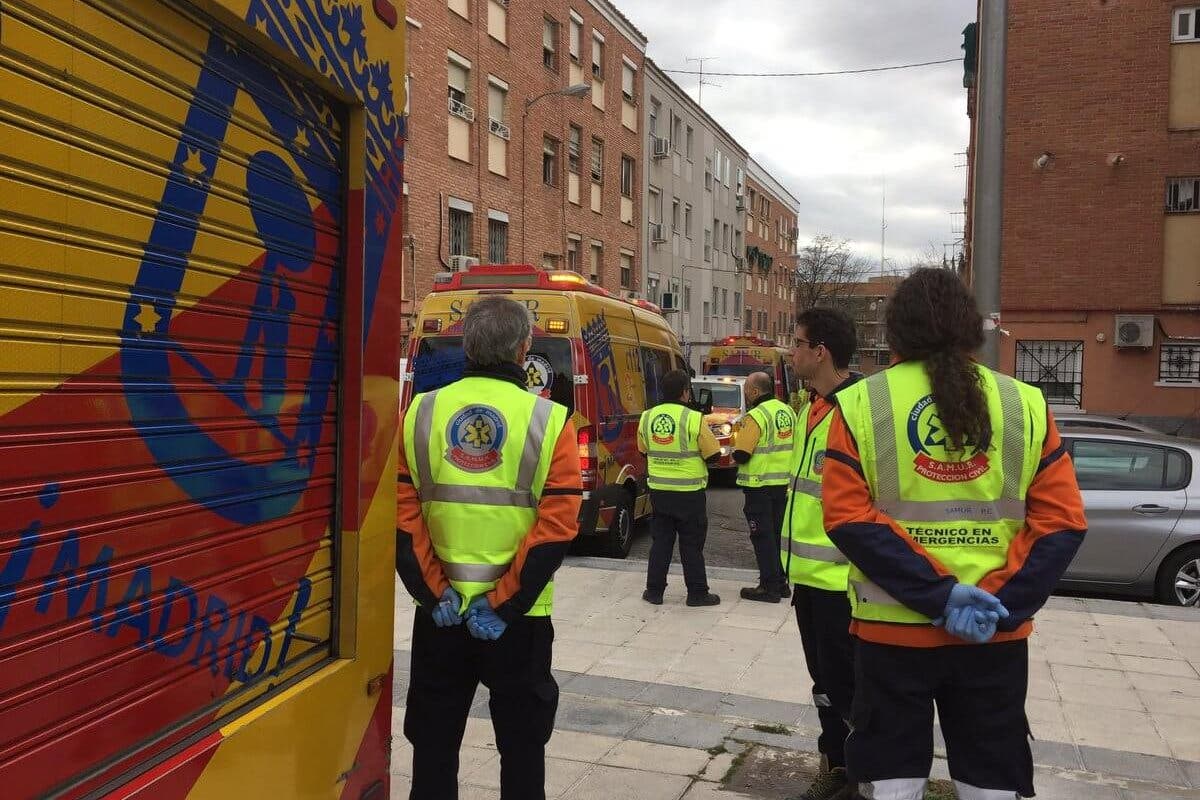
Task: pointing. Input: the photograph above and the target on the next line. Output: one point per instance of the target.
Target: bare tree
(827, 271)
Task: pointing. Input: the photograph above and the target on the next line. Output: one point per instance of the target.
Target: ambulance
(728, 401)
(600, 356)
(743, 355)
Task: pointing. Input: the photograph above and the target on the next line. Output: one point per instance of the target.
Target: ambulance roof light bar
(524, 276)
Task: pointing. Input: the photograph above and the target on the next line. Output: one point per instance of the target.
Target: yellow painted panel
(1181, 259)
(459, 132)
(1184, 103)
(497, 153)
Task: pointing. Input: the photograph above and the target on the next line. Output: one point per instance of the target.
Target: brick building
(1101, 230)
(473, 65)
(770, 258)
(866, 303)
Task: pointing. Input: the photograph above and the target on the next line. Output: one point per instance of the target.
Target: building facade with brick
(768, 288)
(694, 175)
(502, 166)
(866, 303)
(1100, 261)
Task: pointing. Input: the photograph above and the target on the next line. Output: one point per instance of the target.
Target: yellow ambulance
(600, 356)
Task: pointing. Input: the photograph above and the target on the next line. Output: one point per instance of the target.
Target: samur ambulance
(744, 355)
(728, 398)
(600, 356)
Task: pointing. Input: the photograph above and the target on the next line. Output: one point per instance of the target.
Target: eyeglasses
(808, 342)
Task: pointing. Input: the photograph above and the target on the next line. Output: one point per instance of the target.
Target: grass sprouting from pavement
(781, 730)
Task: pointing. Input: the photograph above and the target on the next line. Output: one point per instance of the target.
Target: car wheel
(1179, 578)
(619, 539)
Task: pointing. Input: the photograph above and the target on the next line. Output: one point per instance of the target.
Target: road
(728, 542)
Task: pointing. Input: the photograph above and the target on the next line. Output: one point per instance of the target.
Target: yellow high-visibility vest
(670, 435)
(768, 464)
(808, 556)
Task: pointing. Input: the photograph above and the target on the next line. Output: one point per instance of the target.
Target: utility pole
(988, 194)
(703, 83)
(883, 226)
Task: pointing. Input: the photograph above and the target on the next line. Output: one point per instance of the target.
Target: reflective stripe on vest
(772, 456)
(809, 558)
(677, 465)
(942, 499)
(501, 485)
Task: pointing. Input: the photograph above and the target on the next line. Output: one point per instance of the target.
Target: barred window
(1179, 363)
(1055, 367)
(1183, 195)
(460, 232)
(497, 241)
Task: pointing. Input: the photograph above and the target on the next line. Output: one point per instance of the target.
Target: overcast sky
(831, 139)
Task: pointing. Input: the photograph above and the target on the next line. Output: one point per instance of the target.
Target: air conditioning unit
(662, 147)
(669, 302)
(462, 263)
(658, 233)
(741, 202)
(1134, 330)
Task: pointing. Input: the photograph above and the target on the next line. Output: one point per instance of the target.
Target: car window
(724, 395)
(1179, 469)
(1119, 465)
(655, 364)
(1086, 423)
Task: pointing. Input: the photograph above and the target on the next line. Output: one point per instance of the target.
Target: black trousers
(683, 515)
(980, 696)
(765, 508)
(824, 621)
(447, 666)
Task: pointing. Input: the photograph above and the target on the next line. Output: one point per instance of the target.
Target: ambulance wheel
(619, 539)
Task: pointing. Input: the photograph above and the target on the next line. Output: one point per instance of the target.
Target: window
(1179, 363)
(707, 318)
(497, 103)
(1055, 367)
(687, 297)
(597, 57)
(497, 21)
(675, 215)
(550, 261)
(1183, 195)
(655, 364)
(497, 240)
(716, 297)
(741, 180)
(655, 206)
(883, 358)
(690, 136)
(597, 160)
(676, 132)
(1185, 28)
(655, 107)
(550, 161)
(687, 220)
(716, 242)
(749, 319)
(628, 82)
(707, 245)
(627, 179)
(594, 267)
(460, 232)
(725, 303)
(725, 240)
(573, 252)
(1122, 466)
(737, 302)
(574, 149)
(460, 7)
(550, 43)
(653, 287)
(708, 174)
(459, 78)
(576, 37)
(626, 270)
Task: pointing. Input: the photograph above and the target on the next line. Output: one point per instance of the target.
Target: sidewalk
(661, 703)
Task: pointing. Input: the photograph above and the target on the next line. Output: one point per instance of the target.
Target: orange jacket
(1037, 558)
(541, 551)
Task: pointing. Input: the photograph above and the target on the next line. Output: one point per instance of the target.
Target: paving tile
(1090, 676)
(1114, 728)
(599, 716)
(576, 746)
(577, 656)
(717, 767)
(1043, 689)
(1165, 683)
(793, 741)
(1132, 765)
(1067, 652)
(683, 698)
(685, 730)
(1157, 666)
(711, 791)
(655, 757)
(607, 783)
(604, 686)
(563, 774)
(1192, 770)
(1054, 787)
(1182, 734)
(1171, 703)
(1038, 710)
(1106, 696)
(1063, 755)
(755, 708)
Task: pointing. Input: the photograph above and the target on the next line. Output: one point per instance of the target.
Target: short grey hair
(494, 330)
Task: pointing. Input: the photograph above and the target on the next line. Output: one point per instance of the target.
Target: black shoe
(652, 597)
(785, 592)
(706, 599)
(760, 594)
(830, 785)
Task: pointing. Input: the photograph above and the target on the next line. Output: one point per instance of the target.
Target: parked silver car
(1141, 492)
(1073, 420)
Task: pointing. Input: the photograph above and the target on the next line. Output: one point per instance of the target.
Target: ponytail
(961, 404)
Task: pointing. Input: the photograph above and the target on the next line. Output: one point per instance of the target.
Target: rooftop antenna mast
(703, 83)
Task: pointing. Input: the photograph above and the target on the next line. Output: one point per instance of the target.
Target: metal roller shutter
(170, 256)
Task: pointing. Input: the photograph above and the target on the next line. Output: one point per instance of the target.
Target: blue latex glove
(971, 614)
(445, 613)
(483, 622)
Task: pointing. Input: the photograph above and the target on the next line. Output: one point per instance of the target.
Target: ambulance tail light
(587, 455)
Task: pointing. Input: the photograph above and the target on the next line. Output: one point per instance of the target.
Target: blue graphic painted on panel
(598, 341)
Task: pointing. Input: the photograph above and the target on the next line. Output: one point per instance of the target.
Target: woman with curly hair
(947, 487)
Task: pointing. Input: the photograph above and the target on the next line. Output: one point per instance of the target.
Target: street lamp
(575, 90)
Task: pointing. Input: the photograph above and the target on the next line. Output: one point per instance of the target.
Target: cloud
(833, 140)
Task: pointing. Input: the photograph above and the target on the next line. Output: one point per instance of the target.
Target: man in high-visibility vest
(762, 449)
(678, 447)
(948, 488)
(489, 494)
(822, 347)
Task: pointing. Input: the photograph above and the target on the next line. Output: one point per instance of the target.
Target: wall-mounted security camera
(1041, 161)
(1116, 159)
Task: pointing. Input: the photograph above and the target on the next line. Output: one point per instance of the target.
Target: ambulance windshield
(548, 369)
